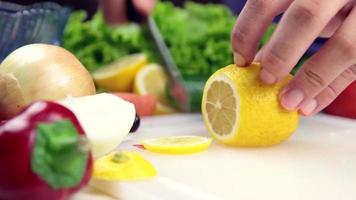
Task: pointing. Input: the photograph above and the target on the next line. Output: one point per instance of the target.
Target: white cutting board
(318, 162)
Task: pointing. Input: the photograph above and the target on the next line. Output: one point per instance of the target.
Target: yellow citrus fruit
(239, 110)
(152, 79)
(177, 144)
(119, 75)
(123, 166)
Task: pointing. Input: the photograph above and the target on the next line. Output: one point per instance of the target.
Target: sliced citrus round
(239, 110)
(119, 75)
(123, 166)
(152, 79)
(177, 144)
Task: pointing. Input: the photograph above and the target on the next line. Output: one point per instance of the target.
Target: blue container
(36, 23)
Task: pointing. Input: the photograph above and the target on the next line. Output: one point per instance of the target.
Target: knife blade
(177, 88)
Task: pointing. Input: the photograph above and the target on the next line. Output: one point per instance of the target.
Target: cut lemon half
(119, 75)
(239, 110)
(123, 166)
(152, 80)
(177, 144)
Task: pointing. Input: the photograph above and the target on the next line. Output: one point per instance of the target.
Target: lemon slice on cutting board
(123, 166)
(177, 144)
(239, 110)
(152, 79)
(119, 75)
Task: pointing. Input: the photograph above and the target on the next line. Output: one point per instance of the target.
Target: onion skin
(40, 72)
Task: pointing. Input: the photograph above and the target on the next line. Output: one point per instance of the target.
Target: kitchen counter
(318, 162)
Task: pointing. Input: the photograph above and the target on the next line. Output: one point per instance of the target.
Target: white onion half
(105, 118)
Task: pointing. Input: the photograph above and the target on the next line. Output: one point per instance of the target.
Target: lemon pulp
(119, 75)
(221, 107)
(152, 79)
(123, 166)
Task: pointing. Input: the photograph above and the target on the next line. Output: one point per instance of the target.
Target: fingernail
(291, 99)
(258, 56)
(309, 107)
(239, 60)
(267, 77)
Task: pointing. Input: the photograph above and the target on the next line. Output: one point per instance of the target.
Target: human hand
(326, 74)
(115, 11)
(145, 7)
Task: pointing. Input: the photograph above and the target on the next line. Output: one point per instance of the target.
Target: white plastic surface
(318, 162)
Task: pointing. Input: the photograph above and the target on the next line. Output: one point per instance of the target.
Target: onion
(40, 72)
(105, 118)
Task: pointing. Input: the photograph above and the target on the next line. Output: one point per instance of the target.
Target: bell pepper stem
(60, 154)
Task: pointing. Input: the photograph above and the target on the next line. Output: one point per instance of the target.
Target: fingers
(250, 26)
(145, 7)
(114, 11)
(331, 92)
(258, 56)
(327, 70)
(301, 24)
(336, 22)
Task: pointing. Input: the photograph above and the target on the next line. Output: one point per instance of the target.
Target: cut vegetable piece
(123, 166)
(152, 80)
(119, 76)
(106, 119)
(239, 110)
(145, 104)
(177, 144)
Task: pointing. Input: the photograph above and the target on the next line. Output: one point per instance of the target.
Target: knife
(177, 89)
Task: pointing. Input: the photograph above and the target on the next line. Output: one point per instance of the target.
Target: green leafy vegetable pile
(198, 36)
(96, 44)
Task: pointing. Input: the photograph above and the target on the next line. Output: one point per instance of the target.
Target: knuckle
(239, 36)
(313, 78)
(314, 4)
(350, 73)
(306, 14)
(353, 69)
(260, 4)
(330, 93)
(274, 60)
(347, 46)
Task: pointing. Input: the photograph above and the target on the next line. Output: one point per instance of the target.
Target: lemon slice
(177, 144)
(239, 110)
(152, 80)
(119, 75)
(123, 166)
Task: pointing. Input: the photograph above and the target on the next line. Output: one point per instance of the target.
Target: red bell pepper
(44, 154)
(345, 104)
